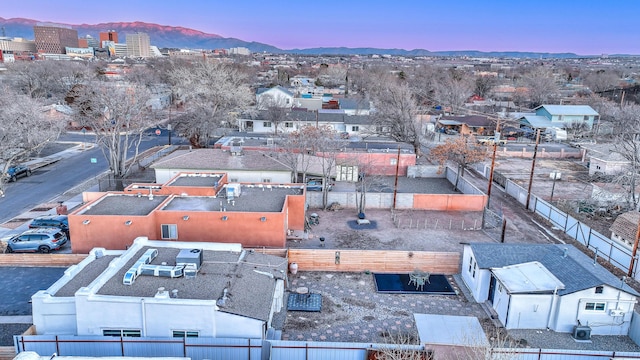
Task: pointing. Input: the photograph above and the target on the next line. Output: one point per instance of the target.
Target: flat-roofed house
(200, 207)
(166, 290)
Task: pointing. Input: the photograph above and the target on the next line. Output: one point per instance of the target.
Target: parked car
(316, 185)
(37, 240)
(16, 171)
(53, 221)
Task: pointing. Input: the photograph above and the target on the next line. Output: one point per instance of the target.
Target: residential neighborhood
(235, 204)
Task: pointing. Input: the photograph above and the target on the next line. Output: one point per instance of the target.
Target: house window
(559, 117)
(169, 231)
(266, 124)
(585, 118)
(599, 289)
(185, 334)
(499, 288)
(123, 333)
(393, 161)
(355, 128)
(594, 306)
(379, 129)
(288, 124)
(266, 180)
(472, 267)
(233, 180)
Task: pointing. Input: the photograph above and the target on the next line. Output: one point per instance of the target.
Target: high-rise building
(138, 45)
(92, 42)
(53, 38)
(110, 35)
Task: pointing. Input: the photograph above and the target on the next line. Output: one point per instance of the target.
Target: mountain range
(164, 36)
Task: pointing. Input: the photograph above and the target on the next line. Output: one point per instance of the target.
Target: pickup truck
(491, 141)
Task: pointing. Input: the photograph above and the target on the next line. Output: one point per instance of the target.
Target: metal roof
(569, 109)
(531, 277)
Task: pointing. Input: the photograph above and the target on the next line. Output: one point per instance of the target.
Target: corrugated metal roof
(569, 109)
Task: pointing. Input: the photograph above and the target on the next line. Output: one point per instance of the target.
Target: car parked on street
(53, 221)
(316, 185)
(42, 240)
(16, 171)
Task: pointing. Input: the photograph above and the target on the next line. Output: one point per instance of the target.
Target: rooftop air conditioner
(582, 332)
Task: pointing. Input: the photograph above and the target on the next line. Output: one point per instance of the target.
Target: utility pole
(533, 167)
(395, 186)
(496, 139)
(634, 251)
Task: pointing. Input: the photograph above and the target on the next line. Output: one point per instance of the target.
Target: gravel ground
(8, 330)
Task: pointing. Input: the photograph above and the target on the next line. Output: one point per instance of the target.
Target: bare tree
(326, 145)
(484, 85)
(332, 76)
(50, 80)
(541, 86)
(295, 148)
(627, 144)
(395, 115)
(23, 129)
(601, 80)
(454, 90)
(118, 114)
(213, 94)
(463, 151)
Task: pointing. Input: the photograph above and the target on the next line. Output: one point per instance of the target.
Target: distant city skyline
(587, 27)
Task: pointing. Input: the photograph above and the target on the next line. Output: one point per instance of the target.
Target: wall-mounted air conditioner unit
(582, 332)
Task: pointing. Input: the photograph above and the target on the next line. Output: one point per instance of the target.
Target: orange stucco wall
(111, 232)
(451, 202)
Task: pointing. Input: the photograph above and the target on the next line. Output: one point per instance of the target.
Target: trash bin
(61, 209)
(361, 215)
(322, 241)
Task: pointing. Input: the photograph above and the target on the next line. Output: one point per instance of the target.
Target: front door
(492, 289)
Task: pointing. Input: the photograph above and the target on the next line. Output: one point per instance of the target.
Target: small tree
(463, 151)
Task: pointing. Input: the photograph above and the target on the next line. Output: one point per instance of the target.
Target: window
(559, 117)
(379, 129)
(288, 124)
(586, 118)
(184, 333)
(266, 180)
(355, 128)
(393, 161)
(123, 333)
(169, 231)
(593, 306)
(599, 289)
(233, 180)
(470, 263)
(499, 288)
(266, 124)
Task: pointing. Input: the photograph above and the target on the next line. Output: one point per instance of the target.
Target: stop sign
(158, 132)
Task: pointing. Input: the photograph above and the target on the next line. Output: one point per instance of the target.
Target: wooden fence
(380, 261)
(40, 260)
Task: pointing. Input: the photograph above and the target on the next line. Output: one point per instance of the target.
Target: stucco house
(196, 207)
(548, 286)
(166, 290)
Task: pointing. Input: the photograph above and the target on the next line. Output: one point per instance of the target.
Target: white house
(242, 166)
(165, 289)
(548, 286)
(275, 96)
(560, 116)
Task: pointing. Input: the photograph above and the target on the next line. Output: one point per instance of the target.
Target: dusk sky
(585, 27)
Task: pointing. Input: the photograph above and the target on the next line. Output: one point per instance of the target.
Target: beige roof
(217, 159)
(626, 225)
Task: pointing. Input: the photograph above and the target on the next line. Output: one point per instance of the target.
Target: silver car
(41, 240)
